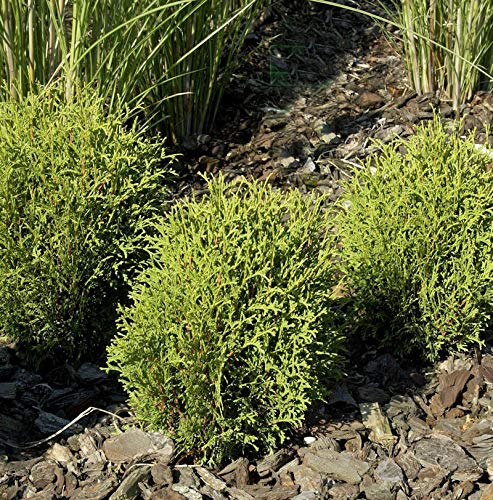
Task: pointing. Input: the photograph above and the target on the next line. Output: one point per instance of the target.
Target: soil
(316, 87)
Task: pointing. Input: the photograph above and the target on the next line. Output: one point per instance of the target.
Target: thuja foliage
(76, 190)
(417, 237)
(230, 336)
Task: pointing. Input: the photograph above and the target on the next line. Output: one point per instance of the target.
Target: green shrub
(230, 337)
(76, 190)
(417, 238)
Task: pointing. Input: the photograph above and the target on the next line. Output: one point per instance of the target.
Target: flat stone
(94, 463)
(162, 475)
(129, 487)
(128, 446)
(429, 479)
(89, 373)
(341, 394)
(19, 467)
(8, 390)
(381, 490)
(84, 443)
(211, 480)
(307, 478)
(238, 494)
(43, 474)
(274, 462)
(385, 369)
(411, 467)
(369, 100)
(167, 494)
(49, 423)
(372, 394)
(339, 466)
(403, 406)
(211, 493)
(60, 454)
(186, 476)
(187, 492)
(344, 492)
(444, 452)
(242, 472)
(487, 493)
(451, 386)
(10, 428)
(389, 471)
(306, 495)
(97, 490)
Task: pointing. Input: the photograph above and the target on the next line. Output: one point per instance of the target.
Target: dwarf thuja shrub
(230, 335)
(76, 191)
(416, 227)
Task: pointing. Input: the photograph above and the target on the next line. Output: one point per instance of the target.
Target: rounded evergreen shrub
(76, 191)
(416, 229)
(230, 335)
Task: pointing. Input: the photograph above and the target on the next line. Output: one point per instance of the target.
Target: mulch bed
(317, 86)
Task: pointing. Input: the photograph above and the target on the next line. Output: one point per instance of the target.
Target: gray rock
(129, 487)
(340, 394)
(211, 493)
(186, 476)
(274, 462)
(188, 493)
(19, 467)
(344, 492)
(133, 444)
(49, 423)
(381, 490)
(60, 454)
(238, 494)
(5, 356)
(43, 474)
(308, 167)
(306, 495)
(99, 489)
(401, 406)
(411, 467)
(338, 466)
(94, 464)
(372, 394)
(84, 443)
(444, 452)
(211, 480)
(389, 471)
(162, 475)
(8, 390)
(89, 373)
(307, 478)
(242, 472)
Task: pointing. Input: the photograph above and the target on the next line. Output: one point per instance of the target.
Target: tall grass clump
(168, 59)
(201, 52)
(230, 336)
(417, 243)
(77, 190)
(446, 45)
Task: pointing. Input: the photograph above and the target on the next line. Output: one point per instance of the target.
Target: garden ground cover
(301, 117)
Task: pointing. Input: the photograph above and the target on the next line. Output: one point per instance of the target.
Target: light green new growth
(76, 191)
(230, 335)
(417, 241)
